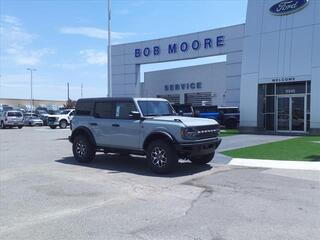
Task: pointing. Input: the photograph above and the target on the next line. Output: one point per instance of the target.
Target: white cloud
(93, 56)
(95, 32)
(15, 43)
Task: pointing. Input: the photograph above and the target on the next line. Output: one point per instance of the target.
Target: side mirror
(135, 115)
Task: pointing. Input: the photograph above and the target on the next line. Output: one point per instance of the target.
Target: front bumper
(198, 148)
(37, 124)
(53, 123)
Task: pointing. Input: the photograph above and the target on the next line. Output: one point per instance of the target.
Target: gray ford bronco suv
(142, 126)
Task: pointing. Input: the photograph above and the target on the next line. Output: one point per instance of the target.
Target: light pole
(31, 86)
(109, 51)
(68, 91)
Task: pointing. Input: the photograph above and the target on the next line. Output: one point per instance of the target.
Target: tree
(70, 104)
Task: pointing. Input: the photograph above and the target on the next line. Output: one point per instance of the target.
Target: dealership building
(271, 67)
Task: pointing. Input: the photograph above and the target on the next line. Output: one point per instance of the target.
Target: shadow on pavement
(134, 164)
(314, 158)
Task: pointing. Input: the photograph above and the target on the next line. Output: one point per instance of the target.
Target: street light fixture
(31, 86)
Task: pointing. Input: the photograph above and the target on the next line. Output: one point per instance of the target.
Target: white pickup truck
(62, 119)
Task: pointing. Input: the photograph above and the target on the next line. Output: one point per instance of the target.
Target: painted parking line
(296, 165)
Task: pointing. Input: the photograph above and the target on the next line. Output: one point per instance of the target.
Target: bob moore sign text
(182, 47)
(288, 6)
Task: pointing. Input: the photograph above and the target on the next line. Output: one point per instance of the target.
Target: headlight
(189, 133)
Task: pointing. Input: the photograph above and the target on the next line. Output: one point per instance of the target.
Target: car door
(125, 130)
(101, 123)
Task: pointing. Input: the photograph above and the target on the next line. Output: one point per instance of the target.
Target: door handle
(93, 124)
(115, 125)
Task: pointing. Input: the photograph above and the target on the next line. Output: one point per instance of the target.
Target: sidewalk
(297, 165)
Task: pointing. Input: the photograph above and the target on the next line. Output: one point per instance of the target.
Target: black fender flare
(83, 130)
(158, 135)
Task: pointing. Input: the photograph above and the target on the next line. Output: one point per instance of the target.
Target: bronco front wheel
(161, 156)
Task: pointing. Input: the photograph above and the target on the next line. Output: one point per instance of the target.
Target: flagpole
(109, 51)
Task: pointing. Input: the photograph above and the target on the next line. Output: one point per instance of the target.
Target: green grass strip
(296, 149)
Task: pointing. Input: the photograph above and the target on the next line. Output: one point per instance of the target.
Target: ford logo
(288, 6)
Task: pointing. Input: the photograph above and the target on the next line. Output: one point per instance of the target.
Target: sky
(66, 40)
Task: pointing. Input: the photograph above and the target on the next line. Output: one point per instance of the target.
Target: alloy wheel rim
(81, 149)
(159, 157)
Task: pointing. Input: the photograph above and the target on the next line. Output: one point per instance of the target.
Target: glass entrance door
(283, 116)
(291, 112)
(298, 113)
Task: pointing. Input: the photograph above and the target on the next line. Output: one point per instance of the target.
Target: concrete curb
(297, 165)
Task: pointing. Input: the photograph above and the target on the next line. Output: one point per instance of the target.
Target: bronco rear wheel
(161, 156)
(83, 149)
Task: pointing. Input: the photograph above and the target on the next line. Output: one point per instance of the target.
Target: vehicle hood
(57, 116)
(187, 121)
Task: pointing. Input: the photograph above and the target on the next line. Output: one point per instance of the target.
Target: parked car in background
(229, 117)
(61, 119)
(41, 108)
(32, 119)
(52, 112)
(11, 119)
(207, 112)
(43, 114)
(184, 110)
(4, 107)
(19, 109)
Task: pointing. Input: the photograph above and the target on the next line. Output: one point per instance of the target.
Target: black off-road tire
(83, 150)
(162, 157)
(202, 159)
(231, 124)
(20, 126)
(63, 124)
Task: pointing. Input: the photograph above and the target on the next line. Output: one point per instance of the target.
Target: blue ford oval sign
(288, 6)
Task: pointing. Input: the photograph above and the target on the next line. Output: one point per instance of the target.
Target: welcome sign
(288, 7)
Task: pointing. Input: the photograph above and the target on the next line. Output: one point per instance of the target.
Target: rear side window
(14, 114)
(229, 110)
(103, 110)
(84, 108)
(206, 109)
(123, 109)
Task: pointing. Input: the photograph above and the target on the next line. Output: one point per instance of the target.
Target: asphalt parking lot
(45, 194)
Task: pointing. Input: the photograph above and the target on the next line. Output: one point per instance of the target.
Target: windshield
(64, 112)
(14, 114)
(42, 111)
(156, 108)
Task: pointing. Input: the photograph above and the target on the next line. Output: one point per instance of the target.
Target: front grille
(51, 119)
(208, 131)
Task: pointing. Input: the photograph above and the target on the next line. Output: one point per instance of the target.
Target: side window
(103, 110)
(71, 113)
(123, 109)
(84, 108)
